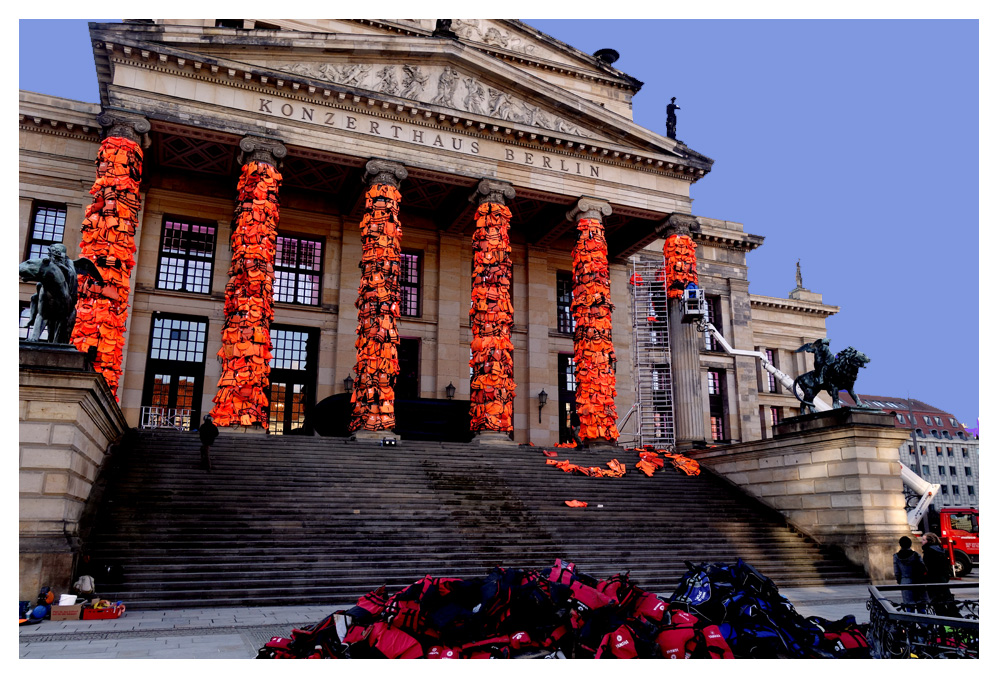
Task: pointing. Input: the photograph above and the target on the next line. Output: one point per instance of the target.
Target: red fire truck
(958, 531)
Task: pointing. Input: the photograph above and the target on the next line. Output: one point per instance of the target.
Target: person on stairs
(207, 433)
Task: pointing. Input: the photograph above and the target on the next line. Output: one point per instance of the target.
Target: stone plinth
(67, 419)
(833, 475)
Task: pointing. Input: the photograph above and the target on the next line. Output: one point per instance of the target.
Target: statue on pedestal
(53, 306)
(797, 277)
(831, 374)
(671, 109)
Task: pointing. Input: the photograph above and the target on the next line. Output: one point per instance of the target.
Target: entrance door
(407, 385)
(175, 371)
(566, 396)
(295, 353)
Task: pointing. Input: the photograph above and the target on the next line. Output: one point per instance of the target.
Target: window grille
(187, 253)
(297, 266)
(409, 283)
(48, 226)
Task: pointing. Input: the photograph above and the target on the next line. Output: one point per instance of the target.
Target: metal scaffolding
(654, 403)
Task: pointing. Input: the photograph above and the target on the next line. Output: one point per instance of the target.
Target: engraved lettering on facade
(307, 113)
(395, 131)
(374, 128)
(265, 105)
(351, 123)
(287, 109)
(329, 118)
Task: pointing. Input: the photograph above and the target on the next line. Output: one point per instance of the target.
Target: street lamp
(348, 384)
(542, 400)
(449, 390)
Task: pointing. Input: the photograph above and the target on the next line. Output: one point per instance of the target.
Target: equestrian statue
(831, 374)
(53, 306)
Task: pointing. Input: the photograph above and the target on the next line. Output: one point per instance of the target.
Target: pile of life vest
(681, 264)
(614, 469)
(108, 240)
(594, 348)
(651, 460)
(491, 316)
(246, 342)
(757, 622)
(556, 612)
(377, 310)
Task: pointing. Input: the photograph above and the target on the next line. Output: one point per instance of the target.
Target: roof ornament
(671, 110)
(443, 29)
(607, 55)
(797, 277)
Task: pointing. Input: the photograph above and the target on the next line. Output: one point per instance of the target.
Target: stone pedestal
(834, 475)
(67, 419)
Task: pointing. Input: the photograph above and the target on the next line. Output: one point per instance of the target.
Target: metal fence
(941, 626)
(156, 417)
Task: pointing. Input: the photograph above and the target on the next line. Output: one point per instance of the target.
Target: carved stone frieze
(131, 126)
(589, 208)
(261, 150)
(441, 85)
(378, 171)
(477, 30)
(492, 191)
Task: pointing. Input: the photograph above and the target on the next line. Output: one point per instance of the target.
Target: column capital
(379, 171)
(119, 123)
(677, 224)
(589, 208)
(261, 150)
(493, 191)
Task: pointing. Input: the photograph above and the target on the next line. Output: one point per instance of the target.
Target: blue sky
(852, 145)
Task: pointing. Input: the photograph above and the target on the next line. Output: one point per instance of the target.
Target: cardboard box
(104, 613)
(66, 612)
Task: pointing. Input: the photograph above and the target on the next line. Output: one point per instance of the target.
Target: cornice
(817, 308)
(268, 82)
(746, 243)
(59, 128)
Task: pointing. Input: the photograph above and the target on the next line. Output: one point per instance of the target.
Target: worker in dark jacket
(207, 433)
(939, 570)
(909, 569)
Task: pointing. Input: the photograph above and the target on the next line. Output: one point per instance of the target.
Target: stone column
(685, 363)
(593, 344)
(377, 303)
(241, 400)
(492, 387)
(108, 240)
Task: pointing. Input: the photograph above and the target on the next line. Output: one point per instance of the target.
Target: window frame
(297, 271)
(30, 240)
(160, 254)
(714, 316)
(564, 279)
(174, 366)
(420, 256)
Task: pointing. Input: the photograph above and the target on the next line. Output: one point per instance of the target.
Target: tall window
(926, 470)
(292, 376)
(771, 380)
(297, 268)
(971, 490)
(713, 303)
(48, 224)
(953, 470)
(939, 451)
(716, 404)
(774, 415)
(175, 370)
(409, 283)
(187, 252)
(950, 452)
(940, 470)
(563, 302)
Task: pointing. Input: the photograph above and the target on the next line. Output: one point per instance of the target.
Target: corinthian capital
(261, 150)
(492, 191)
(589, 208)
(131, 126)
(378, 171)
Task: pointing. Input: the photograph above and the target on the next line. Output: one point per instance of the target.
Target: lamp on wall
(542, 400)
(348, 384)
(449, 390)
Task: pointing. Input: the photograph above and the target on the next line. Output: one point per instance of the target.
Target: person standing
(939, 570)
(909, 570)
(207, 433)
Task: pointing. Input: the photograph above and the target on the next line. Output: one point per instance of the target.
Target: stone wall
(833, 475)
(67, 420)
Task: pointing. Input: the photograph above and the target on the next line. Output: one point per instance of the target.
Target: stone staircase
(295, 519)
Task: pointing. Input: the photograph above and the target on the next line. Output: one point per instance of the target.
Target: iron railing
(931, 629)
(157, 417)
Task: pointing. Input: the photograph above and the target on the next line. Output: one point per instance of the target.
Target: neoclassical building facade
(415, 214)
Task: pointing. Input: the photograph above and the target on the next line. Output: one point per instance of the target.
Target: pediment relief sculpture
(441, 86)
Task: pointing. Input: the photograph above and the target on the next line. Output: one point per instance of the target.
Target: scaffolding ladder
(653, 410)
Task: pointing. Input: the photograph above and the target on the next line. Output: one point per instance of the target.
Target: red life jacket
(673, 641)
(442, 653)
(617, 644)
(393, 643)
(590, 597)
(709, 642)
